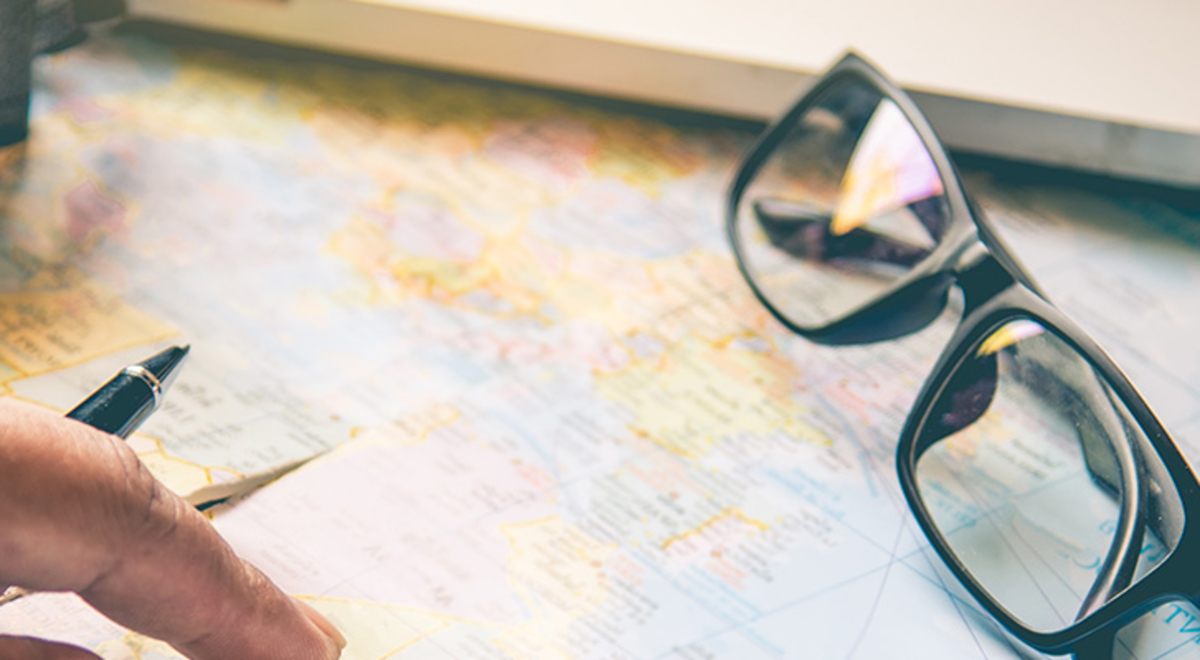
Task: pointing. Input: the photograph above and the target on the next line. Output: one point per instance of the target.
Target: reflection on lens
(1022, 478)
(847, 204)
(1168, 632)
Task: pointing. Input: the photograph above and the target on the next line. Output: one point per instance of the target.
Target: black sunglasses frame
(996, 289)
(1176, 578)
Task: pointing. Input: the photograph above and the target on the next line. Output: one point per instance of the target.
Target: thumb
(81, 513)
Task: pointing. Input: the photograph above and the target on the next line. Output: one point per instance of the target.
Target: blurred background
(1106, 87)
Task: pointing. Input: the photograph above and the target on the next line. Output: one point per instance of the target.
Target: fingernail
(321, 622)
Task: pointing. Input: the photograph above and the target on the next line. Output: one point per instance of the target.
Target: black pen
(122, 404)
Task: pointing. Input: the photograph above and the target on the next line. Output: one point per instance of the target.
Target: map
(495, 343)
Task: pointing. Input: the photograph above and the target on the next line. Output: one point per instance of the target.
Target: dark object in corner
(30, 27)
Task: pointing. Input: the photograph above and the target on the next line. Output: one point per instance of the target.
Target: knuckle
(143, 508)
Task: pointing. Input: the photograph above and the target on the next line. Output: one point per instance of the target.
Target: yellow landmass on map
(701, 392)
(557, 568)
(410, 430)
(728, 515)
(381, 119)
(195, 483)
(711, 543)
(179, 476)
(525, 277)
(8, 373)
(702, 293)
(136, 647)
(503, 271)
(62, 319)
(233, 104)
(376, 631)
(644, 158)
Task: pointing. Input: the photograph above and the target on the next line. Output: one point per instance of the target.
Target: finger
(86, 516)
(27, 648)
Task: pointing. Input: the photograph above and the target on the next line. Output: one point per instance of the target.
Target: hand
(81, 513)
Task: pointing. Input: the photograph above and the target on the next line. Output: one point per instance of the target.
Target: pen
(122, 404)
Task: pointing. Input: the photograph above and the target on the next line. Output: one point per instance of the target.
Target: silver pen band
(144, 375)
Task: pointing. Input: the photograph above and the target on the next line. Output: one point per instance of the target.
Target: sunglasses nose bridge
(976, 269)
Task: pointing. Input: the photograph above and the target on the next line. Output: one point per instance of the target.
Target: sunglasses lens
(1021, 475)
(846, 204)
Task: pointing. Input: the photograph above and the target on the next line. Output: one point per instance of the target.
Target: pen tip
(164, 365)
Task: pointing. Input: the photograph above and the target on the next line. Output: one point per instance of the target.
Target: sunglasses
(1035, 469)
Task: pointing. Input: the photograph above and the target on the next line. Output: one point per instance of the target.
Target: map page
(495, 338)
